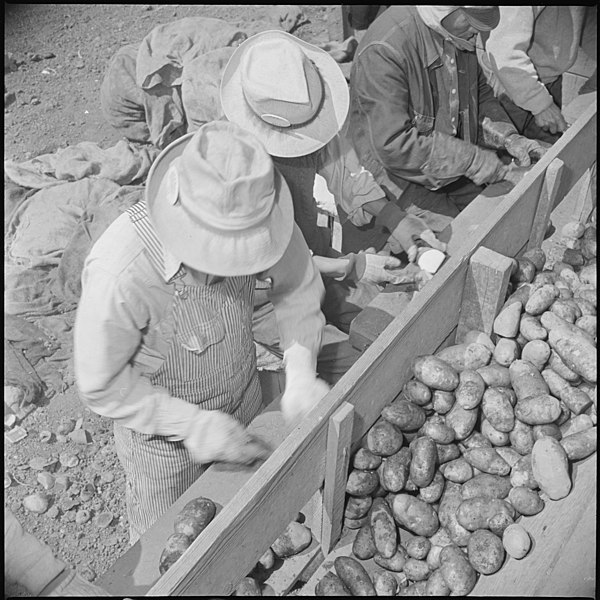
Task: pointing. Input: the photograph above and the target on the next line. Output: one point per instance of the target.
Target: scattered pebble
(69, 503)
(45, 436)
(80, 436)
(69, 460)
(15, 435)
(82, 516)
(46, 480)
(10, 420)
(87, 573)
(35, 100)
(103, 520)
(66, 426)
(53, 512)
(36, 503)
(107, 477)
(61, 482)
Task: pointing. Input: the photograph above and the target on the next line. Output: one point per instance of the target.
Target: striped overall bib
(211, 362)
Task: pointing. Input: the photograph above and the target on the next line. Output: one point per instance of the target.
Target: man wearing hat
(294, 97)
(163, 335)
(423, 119)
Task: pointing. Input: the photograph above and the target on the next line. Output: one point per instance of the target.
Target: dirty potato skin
(354, 576)
(331, 585)
(485, 552)
(176, 545)
(424, 461)
(435, 373)
(383, 526)
(194, 517)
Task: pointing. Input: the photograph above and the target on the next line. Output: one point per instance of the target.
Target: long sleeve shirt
(351, 185)
(417, 104)
(531, 46)
(122, 335)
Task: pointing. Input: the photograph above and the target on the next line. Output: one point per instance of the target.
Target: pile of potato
(483, 433)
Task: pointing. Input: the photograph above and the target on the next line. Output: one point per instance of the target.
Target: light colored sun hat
(292, 95)
(217, 202)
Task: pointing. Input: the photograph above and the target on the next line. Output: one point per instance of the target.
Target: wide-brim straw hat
(217, 202)
(274, 73)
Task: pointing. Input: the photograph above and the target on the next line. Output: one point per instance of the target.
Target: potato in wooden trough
(550, 467)
(435, 373)
(354, 576)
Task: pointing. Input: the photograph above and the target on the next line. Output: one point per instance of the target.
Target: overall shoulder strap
(139, 219)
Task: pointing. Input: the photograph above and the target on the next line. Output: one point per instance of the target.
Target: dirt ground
(59, 54)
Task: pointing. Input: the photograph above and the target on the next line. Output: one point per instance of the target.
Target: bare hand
(551, 119)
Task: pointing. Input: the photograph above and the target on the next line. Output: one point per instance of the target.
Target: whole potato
(538, 410)
(447, 452)
(516, 541)
(457, 572)
(383, 526)
(354, 576)
(486, 485)
(526, 380)
(465, 356)
(537, 352)
(442, 401)
(385, 583)
(194, 517)
(404, 415)
(506, 351)
(436, 429)
(458, 470)
(449, 503)
(581, 444)
(415, 515)
(248, 586)
(292, 541)
(461, 421)
(470, 389)
(506, 323)
(499, 522)
(384, 439)
(498, 410)
(551, 468)
(525, 500)
(396, 563)
(486, 460)
(362, 483)
(475, 513)
(531, 328)
(331, 585)
(540, 300)
(435, 373)
(424, 461)
(416, 570)
(357, 507)
(433, 492)
(521, 437)
(485, 551)
(363, 546)
(436, 586)
(417, 392)
(267, 560)
(365, 460)
(495, 375)
(496, 437)
(395, 470)
(537, 256)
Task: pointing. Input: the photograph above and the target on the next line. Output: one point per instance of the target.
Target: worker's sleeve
(351, 184)
(296, 294)
(506, 49)
(27, 561)
(404, 143)
(107, 334)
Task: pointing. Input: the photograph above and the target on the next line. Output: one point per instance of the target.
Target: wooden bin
(307, 470)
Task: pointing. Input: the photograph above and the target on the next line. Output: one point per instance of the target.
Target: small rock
(9, 98)
(34, 57)
(82, 516)
(47, 55)
(103, 520)
(66, 426)
(68, 504)
(35, 100)
(53, 512)
(79, 423)
(36, 503)
(79, 64)
(70, 516)
(61, 483)
(46, 480)
(15, 435)
(80, 436)
(107, 477)
(87, 573)
(45, 436)
(10, 420)
(69, 460)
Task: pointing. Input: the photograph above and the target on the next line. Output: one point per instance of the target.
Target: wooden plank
(546, 203)
(484, 292)
(339, 437)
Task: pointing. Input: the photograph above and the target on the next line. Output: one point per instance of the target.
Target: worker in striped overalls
(163, 335)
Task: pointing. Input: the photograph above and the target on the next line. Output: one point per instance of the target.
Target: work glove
(486, 167)
(551, 119)
(214, 436)
(523, 149)
(405, 234)
(74, 585)
(303, 389)
(370, 267)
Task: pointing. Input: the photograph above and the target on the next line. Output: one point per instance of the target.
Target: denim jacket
(417, 105)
